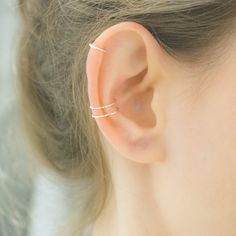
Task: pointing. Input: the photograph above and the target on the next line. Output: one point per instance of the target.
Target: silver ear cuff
(95, 47)
(106, 106)
(102, 108)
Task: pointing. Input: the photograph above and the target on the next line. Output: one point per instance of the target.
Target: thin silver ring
(103, 107)
(102, 116)
(100, 49)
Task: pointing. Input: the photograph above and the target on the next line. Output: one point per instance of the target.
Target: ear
(129, 73)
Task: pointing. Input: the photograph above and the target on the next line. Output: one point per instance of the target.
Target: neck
(133, 208)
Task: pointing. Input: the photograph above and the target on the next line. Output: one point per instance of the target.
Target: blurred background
(8, 24)
(28, 200)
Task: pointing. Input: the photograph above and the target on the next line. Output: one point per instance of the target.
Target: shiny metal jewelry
(104, 107)
(95, 47)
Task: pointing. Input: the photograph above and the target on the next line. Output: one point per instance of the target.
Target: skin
(171, 148)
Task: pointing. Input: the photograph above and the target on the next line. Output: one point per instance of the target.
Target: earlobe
(121, 88)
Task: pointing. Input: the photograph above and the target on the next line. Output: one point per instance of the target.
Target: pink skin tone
(171, 147)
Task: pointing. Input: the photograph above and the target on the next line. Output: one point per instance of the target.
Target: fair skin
(171, 148)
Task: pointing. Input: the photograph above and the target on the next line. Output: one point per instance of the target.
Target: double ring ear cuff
(106, 106)
(102, 108)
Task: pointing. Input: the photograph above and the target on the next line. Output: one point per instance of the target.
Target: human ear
(124, 66)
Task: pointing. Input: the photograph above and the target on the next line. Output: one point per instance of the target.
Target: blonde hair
(53, 84)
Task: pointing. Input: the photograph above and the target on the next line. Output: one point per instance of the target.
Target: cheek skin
(196, 187)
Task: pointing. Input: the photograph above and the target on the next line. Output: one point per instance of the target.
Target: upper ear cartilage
(105, 106)
(95, 47)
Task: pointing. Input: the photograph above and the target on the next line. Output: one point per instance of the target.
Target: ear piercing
(105, 106)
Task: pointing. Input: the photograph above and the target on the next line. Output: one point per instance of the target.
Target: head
(170, 68)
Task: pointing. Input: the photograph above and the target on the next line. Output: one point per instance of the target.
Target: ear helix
(105, 106)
